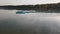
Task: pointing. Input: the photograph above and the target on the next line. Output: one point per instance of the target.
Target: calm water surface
(29, 23)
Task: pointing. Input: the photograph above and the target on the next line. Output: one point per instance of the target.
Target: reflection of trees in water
(44, 30)
(8, 26)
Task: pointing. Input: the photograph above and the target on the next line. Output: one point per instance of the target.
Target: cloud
(25, 2)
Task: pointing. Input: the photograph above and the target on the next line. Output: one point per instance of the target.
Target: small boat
(22, 12)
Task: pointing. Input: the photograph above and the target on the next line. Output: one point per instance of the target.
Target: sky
(26, 2)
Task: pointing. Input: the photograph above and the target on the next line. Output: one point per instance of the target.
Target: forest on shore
(53, 6)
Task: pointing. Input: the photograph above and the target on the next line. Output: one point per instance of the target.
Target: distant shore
(38, 7)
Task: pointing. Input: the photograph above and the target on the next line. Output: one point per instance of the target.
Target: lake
(29, 23)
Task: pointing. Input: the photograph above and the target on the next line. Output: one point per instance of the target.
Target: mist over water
(29, 23)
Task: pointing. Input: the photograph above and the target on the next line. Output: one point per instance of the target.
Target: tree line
(33, 7)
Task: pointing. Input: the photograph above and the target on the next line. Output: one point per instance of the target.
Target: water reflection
(30, 23)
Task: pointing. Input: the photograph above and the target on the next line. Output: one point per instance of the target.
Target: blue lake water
(29, 23)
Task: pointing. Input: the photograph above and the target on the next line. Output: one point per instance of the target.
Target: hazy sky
(20, 2)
